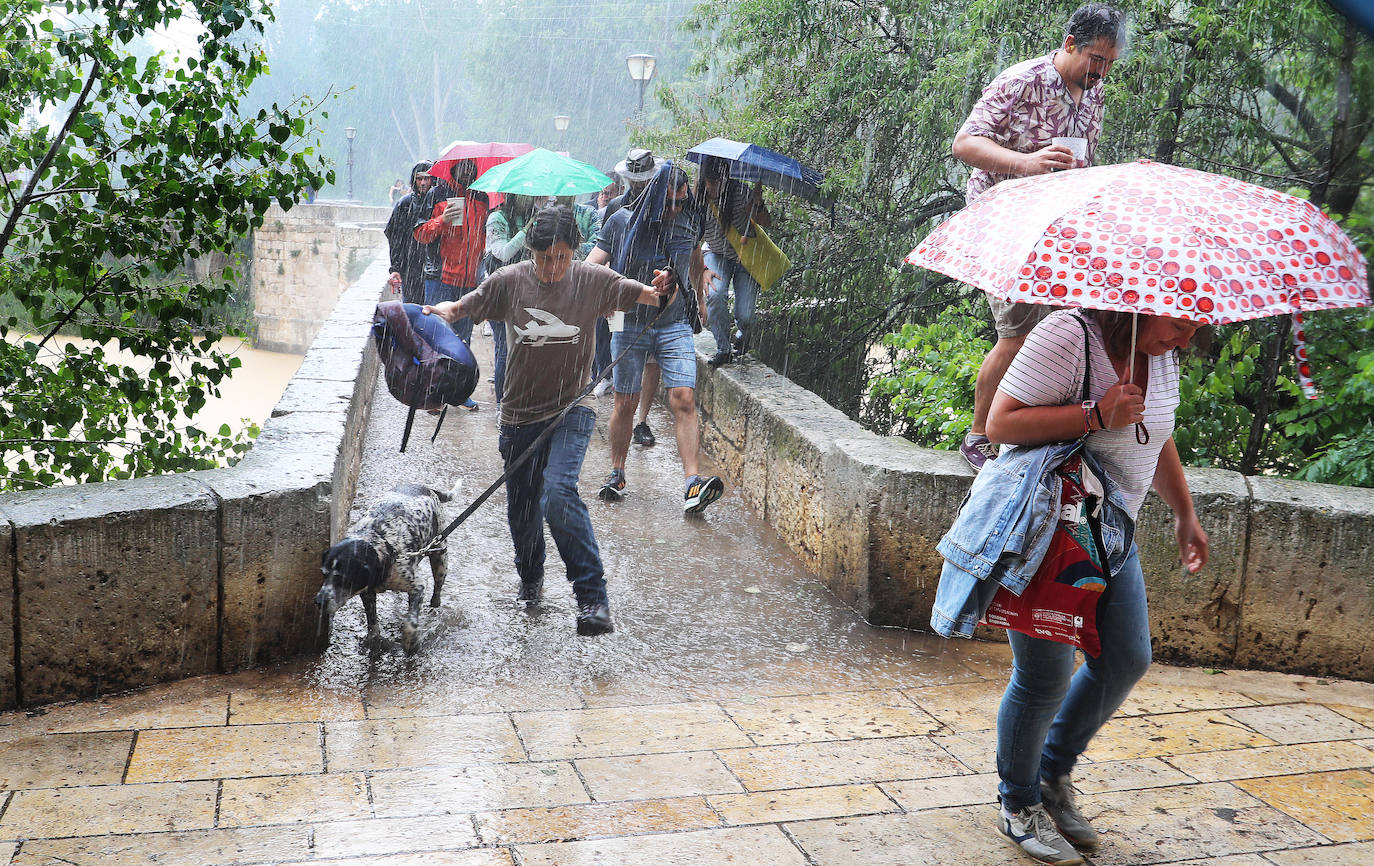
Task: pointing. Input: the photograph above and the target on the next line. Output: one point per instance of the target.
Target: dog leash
(439, 540)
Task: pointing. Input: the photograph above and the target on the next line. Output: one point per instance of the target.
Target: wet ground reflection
(705, 606)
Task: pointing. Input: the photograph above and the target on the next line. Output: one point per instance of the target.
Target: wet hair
(677, 178)
(551, 224)
(1093, 21)
(1116, 332)
(718, 169)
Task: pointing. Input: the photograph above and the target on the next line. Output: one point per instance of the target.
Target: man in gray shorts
(1009, 134)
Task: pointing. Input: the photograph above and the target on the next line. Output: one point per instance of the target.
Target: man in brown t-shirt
(550, 304)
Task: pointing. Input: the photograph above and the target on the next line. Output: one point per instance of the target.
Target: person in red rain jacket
(460, 229)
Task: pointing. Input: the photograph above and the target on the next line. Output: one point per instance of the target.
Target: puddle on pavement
(707, 605)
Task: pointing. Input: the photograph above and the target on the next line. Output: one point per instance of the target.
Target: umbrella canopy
(1144, 237)
(542, 172)
(485, 154)
(750, 162)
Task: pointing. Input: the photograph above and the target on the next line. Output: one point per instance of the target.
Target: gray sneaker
(1033, 829)
(977, 450)
(1057, 798)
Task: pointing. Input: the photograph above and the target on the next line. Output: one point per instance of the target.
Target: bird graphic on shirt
(547, 328)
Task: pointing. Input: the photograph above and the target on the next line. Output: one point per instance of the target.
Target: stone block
(1194, 617)
(117, 585)
(9, 695)
(275, 522)
(1309, 579)
(916, 494)
(721, 403)
(340, 362)
(290, 443)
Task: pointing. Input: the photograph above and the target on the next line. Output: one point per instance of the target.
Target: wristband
(1102, 425)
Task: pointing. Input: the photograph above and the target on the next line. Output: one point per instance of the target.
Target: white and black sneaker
(1033, 829)
(614, 488)
(702, 490)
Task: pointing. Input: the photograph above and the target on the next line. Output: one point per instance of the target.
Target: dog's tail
(449, 495)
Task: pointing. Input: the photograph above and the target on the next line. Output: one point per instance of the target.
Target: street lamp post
(641, 70)
(351, 133)
(560, 123)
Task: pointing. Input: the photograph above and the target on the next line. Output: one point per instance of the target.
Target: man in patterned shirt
(1009, 134)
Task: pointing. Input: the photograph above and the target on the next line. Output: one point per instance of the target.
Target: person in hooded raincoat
(407, 253)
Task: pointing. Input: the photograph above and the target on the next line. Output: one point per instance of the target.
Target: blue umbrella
(750, 162)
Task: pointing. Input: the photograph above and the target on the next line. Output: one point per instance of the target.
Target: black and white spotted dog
(379, 552)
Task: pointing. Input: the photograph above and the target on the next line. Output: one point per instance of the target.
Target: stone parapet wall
(123, 584)
(301, 261)
(1289, 587)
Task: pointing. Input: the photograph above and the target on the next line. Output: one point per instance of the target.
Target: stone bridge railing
(111, 586)
(1290, 584)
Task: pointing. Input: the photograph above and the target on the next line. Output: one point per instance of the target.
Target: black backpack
(425, 364)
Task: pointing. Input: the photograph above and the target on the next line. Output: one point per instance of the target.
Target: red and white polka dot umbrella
(1145, 237)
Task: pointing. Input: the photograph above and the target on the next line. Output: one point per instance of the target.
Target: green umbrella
(542, 172)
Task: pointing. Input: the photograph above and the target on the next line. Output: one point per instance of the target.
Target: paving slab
(226, 752)
(844, 716)
(1300, 723)
(745, 846)
(377, 836)
(386, 744)
(651, 777)
(1337, 804)
(406, 793)
(258, 845)
(834, 801)
(562, 823)
(109, 809)
(293, 799)
(839, 763)
(1163, 825)
(65, 760)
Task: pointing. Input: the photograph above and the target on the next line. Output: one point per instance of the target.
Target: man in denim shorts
(663, 231)
(1011, 132)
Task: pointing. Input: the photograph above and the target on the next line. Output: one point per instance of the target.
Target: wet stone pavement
(739, 714)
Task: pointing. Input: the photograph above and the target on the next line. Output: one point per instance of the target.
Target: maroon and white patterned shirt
(1024, 107)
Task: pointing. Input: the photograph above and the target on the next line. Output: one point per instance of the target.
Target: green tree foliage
(117, 164)
(872, 93)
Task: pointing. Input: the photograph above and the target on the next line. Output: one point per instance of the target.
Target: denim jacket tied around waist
(1004, 529)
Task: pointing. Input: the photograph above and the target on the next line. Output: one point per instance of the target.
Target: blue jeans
(499, 351)
(718, 300)
(672, 345)
(1050, 712)
(544, 488)
(436, 292)
(602, 359)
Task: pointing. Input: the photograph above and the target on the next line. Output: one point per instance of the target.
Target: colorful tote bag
(1060, 602)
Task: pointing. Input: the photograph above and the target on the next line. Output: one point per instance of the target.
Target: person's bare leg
(989, 377)
(682, 402)
(622, 414)
(648, 387)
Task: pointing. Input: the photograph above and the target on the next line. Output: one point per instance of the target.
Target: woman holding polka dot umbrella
(1150, 253)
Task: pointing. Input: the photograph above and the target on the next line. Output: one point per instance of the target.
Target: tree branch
(26, 196)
